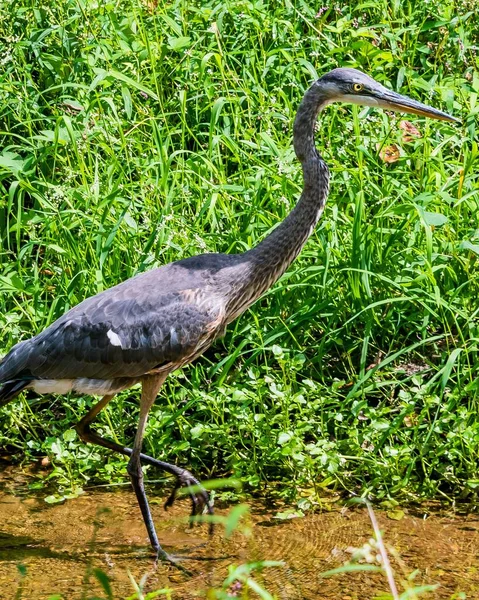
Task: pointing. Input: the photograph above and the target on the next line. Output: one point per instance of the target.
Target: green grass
(133, 135)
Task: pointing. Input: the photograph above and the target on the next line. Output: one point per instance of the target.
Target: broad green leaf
(467, 245)
(434, 219)
(177, 43)
(396, 515)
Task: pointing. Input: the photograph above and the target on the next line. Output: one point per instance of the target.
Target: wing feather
(85, 343)
(169, 314)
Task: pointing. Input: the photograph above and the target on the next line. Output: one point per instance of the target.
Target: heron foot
(163, 556)
(200, 499)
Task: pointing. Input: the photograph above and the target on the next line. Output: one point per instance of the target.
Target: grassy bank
(133, 134)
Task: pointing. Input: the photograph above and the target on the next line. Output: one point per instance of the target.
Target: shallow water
(61, 544)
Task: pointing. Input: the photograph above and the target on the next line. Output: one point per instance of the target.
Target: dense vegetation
(135, 133)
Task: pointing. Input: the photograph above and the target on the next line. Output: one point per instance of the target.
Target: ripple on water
(61, 544)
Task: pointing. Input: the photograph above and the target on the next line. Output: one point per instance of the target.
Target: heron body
(150, 325)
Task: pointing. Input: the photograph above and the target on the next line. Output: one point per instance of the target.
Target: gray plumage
(148, 326)
(151, 322)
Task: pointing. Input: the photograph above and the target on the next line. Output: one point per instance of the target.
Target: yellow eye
(357, 87)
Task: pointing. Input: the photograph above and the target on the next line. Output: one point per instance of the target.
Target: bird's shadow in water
(18, 548)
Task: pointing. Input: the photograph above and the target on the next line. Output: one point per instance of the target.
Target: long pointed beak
(392, 101)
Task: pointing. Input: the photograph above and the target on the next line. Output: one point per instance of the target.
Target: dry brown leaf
(410, 131)
(151, 5)
(389, 154)
(410, 420)
(376, 362)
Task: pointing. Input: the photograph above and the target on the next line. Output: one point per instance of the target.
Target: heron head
(352, 86)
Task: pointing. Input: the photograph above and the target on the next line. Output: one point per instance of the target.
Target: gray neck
(270, 259)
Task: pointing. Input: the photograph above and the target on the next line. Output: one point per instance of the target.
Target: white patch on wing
(173, 337)
(52, 386)
(114, 338)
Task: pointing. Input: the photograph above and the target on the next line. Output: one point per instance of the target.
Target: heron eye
(357, 87)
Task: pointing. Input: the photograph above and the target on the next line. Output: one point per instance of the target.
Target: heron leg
(83, 426)
(199, 499)
(150, 387)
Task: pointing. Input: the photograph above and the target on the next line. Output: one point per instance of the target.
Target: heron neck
(270, 259)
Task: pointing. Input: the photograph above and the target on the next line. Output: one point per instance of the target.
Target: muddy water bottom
(61, 545)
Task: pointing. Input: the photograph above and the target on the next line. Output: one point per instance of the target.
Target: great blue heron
(150, 325)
